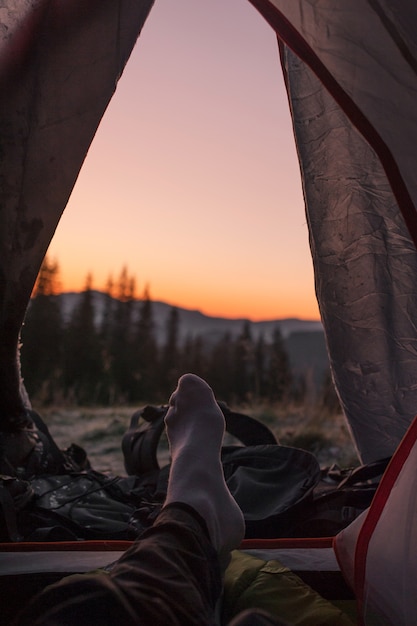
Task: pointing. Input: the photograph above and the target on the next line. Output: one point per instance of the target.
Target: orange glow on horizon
(192, 181)
(282, 305)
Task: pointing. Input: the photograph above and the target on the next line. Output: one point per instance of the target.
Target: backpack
(281, 490)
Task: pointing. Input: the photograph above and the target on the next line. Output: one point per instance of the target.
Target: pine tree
(194, 356)
(83, 370)
(47, 282)
(170, 356)
(146, 353)
(108, 312)
(122, 355)
(243, 365)
(279, 371)
(107, 391)
(42, 337)
(260, 367)
(220, 375)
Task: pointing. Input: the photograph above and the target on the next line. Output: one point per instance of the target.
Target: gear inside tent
(350, 72)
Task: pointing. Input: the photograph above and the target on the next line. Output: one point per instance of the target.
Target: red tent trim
(380, 499)
(292, 38)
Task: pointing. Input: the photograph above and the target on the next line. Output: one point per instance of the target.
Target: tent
(350, 72)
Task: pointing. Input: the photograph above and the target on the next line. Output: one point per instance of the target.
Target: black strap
(247, 429)
(365, 473)
(140, 442)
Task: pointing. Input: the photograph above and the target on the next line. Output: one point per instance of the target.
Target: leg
(173, 573)
(170, 576)
(195, 429)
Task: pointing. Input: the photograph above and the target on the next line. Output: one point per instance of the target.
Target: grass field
(100, 430)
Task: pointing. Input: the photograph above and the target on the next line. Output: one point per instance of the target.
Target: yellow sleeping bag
(253, 583)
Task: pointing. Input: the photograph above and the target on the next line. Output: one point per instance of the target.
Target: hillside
(304, 339)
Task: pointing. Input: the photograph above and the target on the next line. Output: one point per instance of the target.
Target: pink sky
(192, 181)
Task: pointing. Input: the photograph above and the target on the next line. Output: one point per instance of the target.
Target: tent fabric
(377, 552)
(350, 73)
(59, 66)
(365, 55)
(365, 268)
(352, 91)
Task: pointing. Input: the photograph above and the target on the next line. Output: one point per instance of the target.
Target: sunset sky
(192, 180)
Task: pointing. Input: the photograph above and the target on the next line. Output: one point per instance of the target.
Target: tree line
(118, 360)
